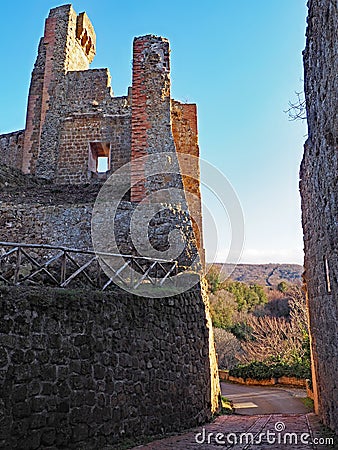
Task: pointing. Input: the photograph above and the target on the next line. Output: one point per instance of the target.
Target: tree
(272, 338)
(227, 348)
(223, 307)
(247, 297)
(278, 338)
(282, 286)
(213, 278)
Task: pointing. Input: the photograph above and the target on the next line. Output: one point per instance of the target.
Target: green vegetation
(264, 329)
(308, 402)
(213, 278)
(247, 297)
(227, 406)
(223, 307)
(282, 287)
(259, 370)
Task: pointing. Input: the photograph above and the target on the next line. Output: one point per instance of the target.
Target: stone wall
(11, 146)
(79, 133)
(64, 224)
(320, 202)
(69, 224)
(81, 369)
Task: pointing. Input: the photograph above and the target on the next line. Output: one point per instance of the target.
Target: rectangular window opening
(102, 164)
(99, 159)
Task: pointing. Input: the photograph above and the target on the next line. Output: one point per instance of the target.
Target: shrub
(242, 330)
(282, 286)
(213, 278)
(259, 370)
(247, 297)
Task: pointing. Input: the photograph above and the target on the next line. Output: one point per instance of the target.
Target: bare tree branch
(297, 109)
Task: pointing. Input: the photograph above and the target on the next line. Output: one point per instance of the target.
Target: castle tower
(68, 45)
(162, 125)
(151, 121)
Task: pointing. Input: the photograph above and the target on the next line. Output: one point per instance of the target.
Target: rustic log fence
(63, 267)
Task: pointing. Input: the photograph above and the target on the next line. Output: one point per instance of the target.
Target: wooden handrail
(14, 260)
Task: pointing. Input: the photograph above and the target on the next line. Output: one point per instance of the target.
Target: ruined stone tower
(319, 191)
(101, 367)
(77, 132)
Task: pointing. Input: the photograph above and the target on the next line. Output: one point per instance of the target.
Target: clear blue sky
(240, 61)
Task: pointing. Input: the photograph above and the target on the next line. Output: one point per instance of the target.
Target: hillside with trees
(269, 275)
(259, 330)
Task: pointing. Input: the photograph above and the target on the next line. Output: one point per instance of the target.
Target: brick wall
(184, 127)
(320, 202)
(151, 122)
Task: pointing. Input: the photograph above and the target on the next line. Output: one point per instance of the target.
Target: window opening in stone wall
(99, 159)
(327, 275)
(102, 164)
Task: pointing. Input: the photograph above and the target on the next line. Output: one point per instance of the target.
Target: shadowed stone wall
(319, 192)
(83, 369)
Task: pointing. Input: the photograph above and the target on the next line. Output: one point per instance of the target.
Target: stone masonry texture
(85, 370)
(319, 193)
(73, 118)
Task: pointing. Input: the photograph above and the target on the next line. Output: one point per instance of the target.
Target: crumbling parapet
(11, 147)
(74, 123)
(71, 108)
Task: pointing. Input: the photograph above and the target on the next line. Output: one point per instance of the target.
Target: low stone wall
(83, 369)
(284, 381)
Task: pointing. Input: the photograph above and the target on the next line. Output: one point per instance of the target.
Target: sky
(239, 61)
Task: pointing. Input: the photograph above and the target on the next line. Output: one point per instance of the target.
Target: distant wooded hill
(264, 274)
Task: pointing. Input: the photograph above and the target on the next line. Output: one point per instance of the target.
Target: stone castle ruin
(77, 132)
(82, 368)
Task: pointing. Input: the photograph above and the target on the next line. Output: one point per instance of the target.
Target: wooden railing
(63, 267)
